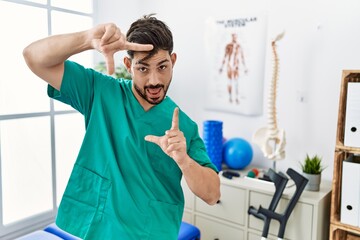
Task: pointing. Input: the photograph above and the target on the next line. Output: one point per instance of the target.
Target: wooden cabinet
(339, 230)
(229, 220)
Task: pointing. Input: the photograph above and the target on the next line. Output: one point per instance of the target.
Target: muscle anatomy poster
(236, 56)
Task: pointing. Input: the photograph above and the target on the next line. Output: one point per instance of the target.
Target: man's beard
(154, 101)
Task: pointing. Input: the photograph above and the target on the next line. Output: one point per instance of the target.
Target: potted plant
(120, 71)
(312, 168)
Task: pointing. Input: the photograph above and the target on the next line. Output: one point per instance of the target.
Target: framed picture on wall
(235, 50)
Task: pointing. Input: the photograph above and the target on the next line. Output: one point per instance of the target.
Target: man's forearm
(56, 49)
(203, 181)
(45, 57)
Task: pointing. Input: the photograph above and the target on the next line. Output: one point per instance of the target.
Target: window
(39, 138)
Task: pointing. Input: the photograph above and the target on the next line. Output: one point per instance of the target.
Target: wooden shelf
(347, 149)
(339, 230)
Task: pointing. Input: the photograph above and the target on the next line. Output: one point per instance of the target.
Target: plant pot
(314, 181)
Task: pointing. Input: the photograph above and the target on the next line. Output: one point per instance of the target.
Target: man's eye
(162, 67)
(143, 69)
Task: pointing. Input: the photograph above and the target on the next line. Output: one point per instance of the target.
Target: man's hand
(173, 143)
(203, 181)
(108, 39)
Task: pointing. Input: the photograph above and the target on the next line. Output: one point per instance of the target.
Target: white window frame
(33, 223)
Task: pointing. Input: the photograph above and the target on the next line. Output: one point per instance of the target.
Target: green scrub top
(121, 186)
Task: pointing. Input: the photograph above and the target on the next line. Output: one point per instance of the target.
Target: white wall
(320, 41)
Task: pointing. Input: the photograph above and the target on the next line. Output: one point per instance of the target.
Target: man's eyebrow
(163, 61)
(142, 63)
(146, 64)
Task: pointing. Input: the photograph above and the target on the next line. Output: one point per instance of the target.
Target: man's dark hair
(150, 30)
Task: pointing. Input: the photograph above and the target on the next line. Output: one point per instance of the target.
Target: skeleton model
(270, 139)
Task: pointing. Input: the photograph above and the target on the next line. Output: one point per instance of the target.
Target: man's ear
(127, 63)
(173, 58)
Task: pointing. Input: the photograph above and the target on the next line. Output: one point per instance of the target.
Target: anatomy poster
(236, 58)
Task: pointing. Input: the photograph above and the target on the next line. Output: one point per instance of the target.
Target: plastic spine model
(271, 139)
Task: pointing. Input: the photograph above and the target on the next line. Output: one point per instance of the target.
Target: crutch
(300, 183)
(280, 181)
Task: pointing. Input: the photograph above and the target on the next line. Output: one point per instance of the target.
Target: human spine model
(271, 139)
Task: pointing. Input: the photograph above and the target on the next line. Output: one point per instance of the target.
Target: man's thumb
(153, 139)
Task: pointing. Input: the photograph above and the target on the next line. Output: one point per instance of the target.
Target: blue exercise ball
(237, 153)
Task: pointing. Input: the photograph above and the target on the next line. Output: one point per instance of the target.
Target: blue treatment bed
(53, 232)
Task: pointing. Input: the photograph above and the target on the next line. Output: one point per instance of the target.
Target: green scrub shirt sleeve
(77, 87)
(198, 152)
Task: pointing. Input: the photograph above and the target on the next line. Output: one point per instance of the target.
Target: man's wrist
(185, 164)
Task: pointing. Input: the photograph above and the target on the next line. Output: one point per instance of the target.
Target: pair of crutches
(280, 180)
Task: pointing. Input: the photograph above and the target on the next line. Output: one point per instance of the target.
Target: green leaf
(120, 71)
(312, 165)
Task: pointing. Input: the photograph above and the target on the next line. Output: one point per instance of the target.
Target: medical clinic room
(179, 120)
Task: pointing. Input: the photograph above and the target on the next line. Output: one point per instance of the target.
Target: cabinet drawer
(230, 208)
(187, 217)
(188, 195)
(211, 230)
(301, 217)
(253, 236)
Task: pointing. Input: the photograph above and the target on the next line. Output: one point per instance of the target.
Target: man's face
(151, 77)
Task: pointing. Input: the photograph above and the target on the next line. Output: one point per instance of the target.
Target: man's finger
(175, 120)
(138, 47)
(153, 139)
(110, 65)
(110, 30)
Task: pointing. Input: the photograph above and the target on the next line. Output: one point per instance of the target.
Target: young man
(138, 145)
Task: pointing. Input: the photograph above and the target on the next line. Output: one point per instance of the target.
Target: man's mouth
(153, 91)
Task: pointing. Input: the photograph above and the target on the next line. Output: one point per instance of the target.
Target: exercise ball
(237, 153)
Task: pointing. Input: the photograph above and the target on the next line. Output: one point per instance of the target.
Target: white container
(352, 124)
(350, 191)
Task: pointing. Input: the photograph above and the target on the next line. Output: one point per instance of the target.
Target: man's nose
(153, 78)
